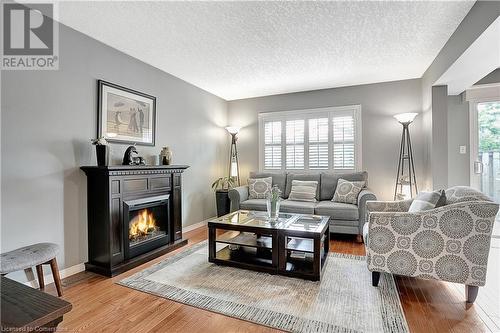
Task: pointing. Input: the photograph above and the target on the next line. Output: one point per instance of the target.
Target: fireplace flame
(143, 224)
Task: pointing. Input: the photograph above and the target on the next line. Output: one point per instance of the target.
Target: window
(272, 145)
(317, 139)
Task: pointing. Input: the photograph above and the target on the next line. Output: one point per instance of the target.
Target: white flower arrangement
(99, 142)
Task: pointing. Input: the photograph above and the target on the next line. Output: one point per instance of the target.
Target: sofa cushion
(329, 182)
(303, 190)
(299, 176)
(254, 204)
(337, 210)
(279, 179)
(259, 188)
(300, 207)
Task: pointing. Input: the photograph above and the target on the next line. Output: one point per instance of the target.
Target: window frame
(306, 114)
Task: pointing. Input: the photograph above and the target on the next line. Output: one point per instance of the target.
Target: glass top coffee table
(294, 245)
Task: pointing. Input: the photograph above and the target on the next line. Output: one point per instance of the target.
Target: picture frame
(125, 115)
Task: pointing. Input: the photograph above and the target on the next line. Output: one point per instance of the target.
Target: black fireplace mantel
(108, 187)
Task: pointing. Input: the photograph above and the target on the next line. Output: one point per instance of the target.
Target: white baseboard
(196, 225)
(62, 273)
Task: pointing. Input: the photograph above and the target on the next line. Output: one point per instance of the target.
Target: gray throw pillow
(347, 192)
(303, 190)
(425, 201)
(259, 188)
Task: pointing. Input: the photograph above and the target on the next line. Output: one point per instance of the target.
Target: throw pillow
(259, 188)
(347, 192)
(303, 190)
(425, 201)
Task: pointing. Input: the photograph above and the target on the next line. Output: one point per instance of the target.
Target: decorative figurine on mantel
(129, 159)
(166, 156)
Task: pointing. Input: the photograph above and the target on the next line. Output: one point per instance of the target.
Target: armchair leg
(375, 278)
(471, 293)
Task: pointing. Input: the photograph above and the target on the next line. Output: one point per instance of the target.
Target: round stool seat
(28, 256)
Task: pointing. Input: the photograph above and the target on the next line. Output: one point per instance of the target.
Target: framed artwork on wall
(125, 115)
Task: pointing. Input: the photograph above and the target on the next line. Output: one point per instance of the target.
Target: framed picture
(125, 115)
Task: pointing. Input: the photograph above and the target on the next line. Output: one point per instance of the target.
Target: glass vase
(273, 209)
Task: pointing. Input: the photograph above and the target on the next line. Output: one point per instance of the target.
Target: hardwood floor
(100, 305)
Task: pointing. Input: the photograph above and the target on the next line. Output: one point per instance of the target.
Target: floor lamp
(406, 181)
(234, 168)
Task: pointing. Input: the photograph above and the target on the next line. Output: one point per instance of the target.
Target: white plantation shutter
(343, 142)
(272, 145)
(295, 144)
(317, 139)
(318, 143)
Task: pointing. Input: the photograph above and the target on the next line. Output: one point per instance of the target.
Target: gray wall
(48, 118)
(439, 154)
(381, 132)
(458, 135)
(481, 15)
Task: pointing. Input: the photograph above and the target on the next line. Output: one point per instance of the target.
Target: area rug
(343, 301)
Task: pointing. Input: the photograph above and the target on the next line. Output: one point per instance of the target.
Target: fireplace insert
(146, 224)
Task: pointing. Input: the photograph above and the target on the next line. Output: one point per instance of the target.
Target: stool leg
(55, 274)
(39, 273)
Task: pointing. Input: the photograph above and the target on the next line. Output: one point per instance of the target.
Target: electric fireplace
(134, 215)
(146, 224)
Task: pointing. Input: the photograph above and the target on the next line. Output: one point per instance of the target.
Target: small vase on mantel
(273, 203)
(166, 156)
(102, 151)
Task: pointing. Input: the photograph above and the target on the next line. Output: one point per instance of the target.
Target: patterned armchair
(449, 243)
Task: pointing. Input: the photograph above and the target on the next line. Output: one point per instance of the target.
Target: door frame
(475, 95)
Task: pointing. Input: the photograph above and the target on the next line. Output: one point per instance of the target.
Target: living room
(250, 166)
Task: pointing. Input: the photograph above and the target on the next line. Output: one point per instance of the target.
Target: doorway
(485, 150)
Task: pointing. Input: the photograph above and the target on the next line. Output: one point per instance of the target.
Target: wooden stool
(33, 255)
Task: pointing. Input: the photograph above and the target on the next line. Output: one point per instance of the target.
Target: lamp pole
(406, 163)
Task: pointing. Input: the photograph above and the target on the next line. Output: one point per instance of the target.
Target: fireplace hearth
(134, 215)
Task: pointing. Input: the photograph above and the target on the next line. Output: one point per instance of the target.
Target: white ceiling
(246, 49)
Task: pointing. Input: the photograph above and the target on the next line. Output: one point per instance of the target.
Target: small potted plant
(102, 150)
(221, 188)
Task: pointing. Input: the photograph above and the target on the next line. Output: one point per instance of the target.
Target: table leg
(317, 258)
(211, 244)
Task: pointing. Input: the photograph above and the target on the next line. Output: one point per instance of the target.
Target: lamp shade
(233, 129)
(406, 118)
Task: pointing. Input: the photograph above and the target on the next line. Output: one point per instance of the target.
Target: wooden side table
(25, 309)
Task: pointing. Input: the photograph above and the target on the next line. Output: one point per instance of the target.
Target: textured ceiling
(246, 49)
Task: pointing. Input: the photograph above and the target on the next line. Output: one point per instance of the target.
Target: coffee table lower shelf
(245, 258)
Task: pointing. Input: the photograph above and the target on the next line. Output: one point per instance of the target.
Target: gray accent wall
(48, 119)
(381, 132)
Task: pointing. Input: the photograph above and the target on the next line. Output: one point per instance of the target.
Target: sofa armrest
(364, 196)
(449, 243)
(236, 196)
(388, 206)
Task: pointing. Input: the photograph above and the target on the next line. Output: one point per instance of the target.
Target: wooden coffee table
(294, 245)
